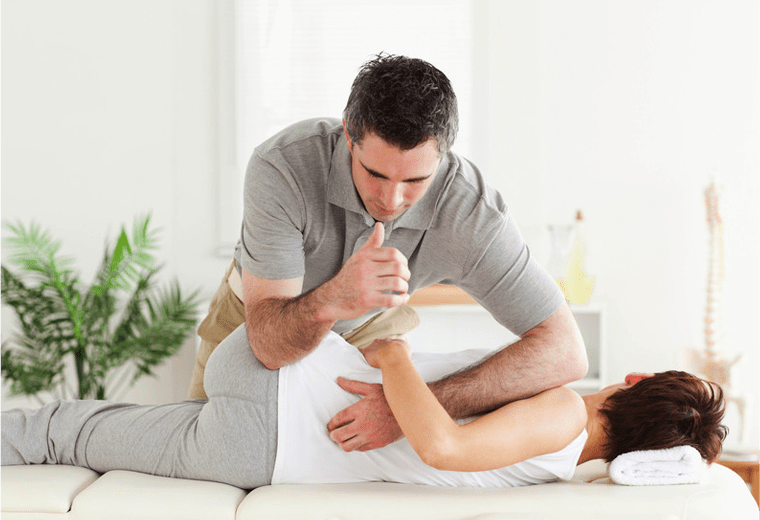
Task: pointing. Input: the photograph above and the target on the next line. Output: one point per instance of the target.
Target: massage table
(65, 492)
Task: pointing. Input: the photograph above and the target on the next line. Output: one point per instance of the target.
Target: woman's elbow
(438, 453)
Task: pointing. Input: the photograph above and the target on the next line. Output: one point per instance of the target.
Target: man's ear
(635, 377)
(348, 137)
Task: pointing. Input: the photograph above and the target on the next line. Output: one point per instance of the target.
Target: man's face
(390, 180)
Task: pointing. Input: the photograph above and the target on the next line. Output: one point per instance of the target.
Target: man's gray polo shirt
(304, 218)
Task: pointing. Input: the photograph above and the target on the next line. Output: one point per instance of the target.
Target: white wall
(108, 111)
(624, 110)
(621, 109)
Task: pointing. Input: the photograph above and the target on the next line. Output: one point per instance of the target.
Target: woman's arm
(515, 432)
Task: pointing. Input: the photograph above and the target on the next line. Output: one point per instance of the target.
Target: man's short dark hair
(404, 101)
(669, 409)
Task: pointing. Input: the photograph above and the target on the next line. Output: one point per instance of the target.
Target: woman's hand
(381, 347)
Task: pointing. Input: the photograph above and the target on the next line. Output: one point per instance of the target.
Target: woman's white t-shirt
(309, 396)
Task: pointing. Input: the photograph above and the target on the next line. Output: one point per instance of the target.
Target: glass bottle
(577, 285)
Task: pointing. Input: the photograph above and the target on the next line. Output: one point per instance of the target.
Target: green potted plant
(114, 331)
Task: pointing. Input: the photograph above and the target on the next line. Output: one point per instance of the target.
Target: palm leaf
(33, 359)
(100, 303)
(171, 319)
(123, 320)
(128, 259)
(132, 321)
(34, 251)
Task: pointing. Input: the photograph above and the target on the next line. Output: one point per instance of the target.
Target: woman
(646, 412)
(260, 426)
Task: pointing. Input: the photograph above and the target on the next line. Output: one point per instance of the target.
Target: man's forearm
(550, 355)
(284, 330)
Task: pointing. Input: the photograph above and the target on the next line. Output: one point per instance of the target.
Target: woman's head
(665, 410)
(404, 101)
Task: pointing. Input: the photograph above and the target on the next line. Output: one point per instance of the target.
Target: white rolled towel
(677, 465)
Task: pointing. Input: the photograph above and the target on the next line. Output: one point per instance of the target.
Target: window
(296, 59)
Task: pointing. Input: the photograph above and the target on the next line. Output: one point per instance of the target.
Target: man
(345, 220)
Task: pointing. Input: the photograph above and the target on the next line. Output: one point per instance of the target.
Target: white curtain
(297, 58)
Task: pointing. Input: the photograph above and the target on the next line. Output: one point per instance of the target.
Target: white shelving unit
(451, 321)
(590, 320)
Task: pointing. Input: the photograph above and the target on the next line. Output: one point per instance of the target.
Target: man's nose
(392, 196)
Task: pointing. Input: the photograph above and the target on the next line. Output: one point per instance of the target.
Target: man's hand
(363, 282)
(367, 424)
(285, 325)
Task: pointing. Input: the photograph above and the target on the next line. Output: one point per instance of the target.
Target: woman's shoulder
(568, 412)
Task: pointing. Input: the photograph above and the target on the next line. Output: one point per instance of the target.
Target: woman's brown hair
(668, 409)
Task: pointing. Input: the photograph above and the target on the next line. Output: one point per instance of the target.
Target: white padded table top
(58, 492)
(590, 495)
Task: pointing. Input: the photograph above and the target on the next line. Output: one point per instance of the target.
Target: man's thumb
(377, 237)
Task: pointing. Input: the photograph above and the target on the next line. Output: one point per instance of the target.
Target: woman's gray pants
(231, 437)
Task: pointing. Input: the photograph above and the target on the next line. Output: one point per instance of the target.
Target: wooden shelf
(748, 471)
(451, 318)
(441, 295)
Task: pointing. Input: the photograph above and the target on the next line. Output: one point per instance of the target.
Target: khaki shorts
(227, 312)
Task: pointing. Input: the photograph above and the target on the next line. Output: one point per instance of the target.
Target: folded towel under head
(677, 465)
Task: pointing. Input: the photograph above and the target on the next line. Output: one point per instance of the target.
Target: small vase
(575, 282)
